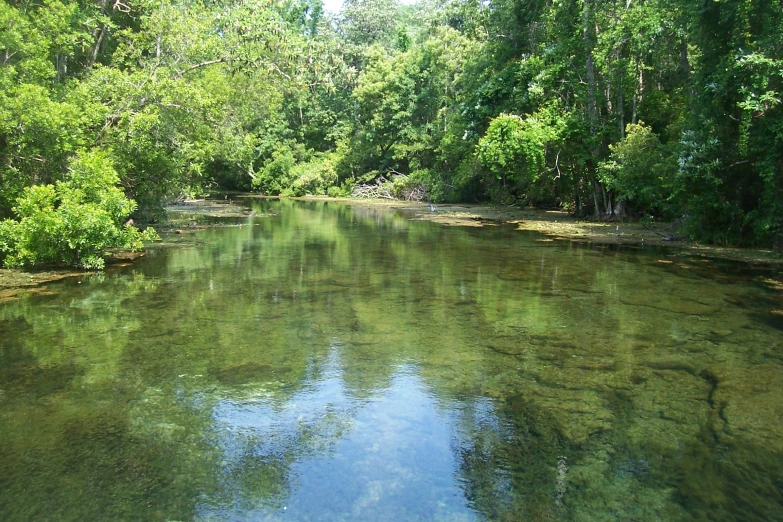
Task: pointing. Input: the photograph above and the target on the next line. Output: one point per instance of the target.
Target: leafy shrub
(314, 177)
(74, 221)
(341, 191)
(512, 154)
(640, 170)
(275, 176)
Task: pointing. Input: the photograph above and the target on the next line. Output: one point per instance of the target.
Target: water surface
(322, 362)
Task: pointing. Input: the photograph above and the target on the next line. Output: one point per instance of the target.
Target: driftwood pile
(400, 187)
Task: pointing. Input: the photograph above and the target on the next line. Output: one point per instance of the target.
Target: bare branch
(200, 65)
(119, 6)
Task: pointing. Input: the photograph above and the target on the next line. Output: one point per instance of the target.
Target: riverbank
(184, 221)
(14, 282)
(561, 225)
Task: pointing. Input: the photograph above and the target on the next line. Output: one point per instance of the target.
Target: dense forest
(636, 109)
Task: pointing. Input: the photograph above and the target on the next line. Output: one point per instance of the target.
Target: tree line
(641, 109)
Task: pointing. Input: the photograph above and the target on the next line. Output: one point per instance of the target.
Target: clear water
(331, 363)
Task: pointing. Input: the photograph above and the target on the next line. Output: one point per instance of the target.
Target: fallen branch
(399, 188)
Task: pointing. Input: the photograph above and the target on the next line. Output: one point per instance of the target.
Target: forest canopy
(653, 109)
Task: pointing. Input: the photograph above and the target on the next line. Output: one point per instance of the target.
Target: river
(324, 362)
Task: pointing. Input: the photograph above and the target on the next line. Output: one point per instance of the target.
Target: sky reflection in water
(386, 457)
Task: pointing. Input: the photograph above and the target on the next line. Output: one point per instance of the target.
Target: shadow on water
(321, 362)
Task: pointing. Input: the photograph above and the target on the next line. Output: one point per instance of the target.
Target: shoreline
(558, 225)
(561, 225)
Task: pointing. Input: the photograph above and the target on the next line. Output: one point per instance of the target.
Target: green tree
(369, 22)
(640, 172)
(730, 168)
(74, 221)
(512, 155)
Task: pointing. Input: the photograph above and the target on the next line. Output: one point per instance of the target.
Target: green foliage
(640, 171)
(407, 112)
(733, 159)
(404, 40)
(312, 178)
(23, 47)
(74, 221)
(438, 186)
(512, 155)
(275, 175)
(414, 187)
(368, 22)
(386, 99)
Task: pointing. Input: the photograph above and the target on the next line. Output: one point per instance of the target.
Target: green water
(328, 363)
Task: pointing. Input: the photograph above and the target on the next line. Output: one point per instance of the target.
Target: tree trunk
(686, 73)
(637, 93)
(686, 64)
(96, 49)
(595, 198)
(619, 209)
(621, 103)
(592, 107)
